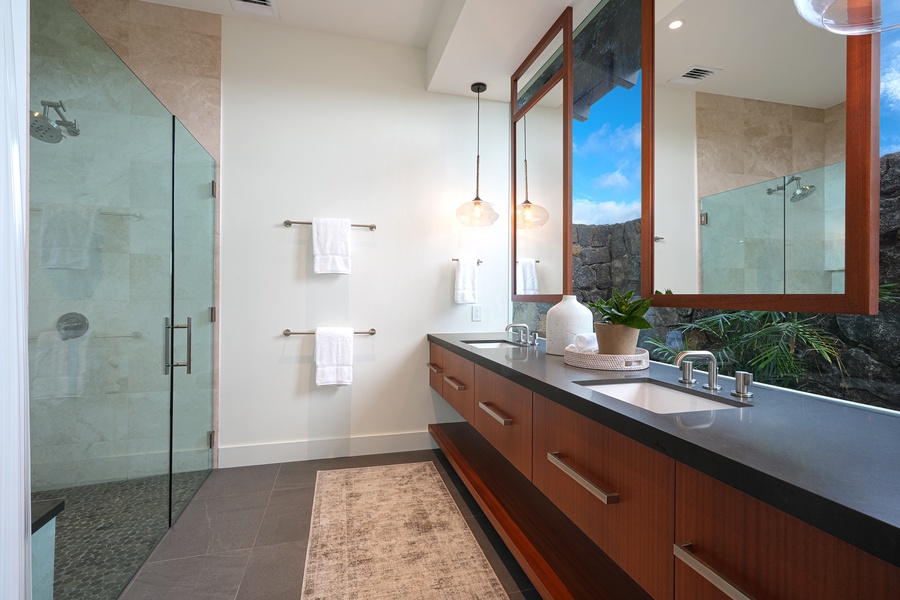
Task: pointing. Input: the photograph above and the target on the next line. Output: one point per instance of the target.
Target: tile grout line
(255, 537)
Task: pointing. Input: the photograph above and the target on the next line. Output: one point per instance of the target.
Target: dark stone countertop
(44, 511)
(832, 464)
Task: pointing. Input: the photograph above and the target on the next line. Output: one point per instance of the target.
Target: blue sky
(606, 160)
(606, 174)
(890, 91)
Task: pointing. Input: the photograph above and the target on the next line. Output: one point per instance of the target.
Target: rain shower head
(44, 129)
(802, 192)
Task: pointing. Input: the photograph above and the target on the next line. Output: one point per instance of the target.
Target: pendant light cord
(478, 149)
(525, 146)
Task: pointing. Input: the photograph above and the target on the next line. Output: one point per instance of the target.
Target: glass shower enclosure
(121, 285)
(781, 236)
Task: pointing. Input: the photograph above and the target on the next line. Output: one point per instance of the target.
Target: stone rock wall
(605, 257)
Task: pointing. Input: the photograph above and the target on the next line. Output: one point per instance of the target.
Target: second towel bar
(288, 223)
(288, 332)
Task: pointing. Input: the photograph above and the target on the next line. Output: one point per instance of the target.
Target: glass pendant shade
(476, 213)
(851, 17)
(530, 216)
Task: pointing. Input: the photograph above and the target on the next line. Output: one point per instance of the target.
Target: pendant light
(477, 212)
(528, 215)
(851, 17)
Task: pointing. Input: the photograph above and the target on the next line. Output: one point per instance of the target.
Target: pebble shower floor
(107, 530)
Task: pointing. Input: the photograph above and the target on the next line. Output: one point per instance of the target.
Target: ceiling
(764, 55)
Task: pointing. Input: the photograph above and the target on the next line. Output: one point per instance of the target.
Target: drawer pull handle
(434, 368)
(605, 497)
(497, 417)
(455, 384)
(684, 553)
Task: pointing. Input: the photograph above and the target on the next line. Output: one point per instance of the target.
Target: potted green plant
(621, 319)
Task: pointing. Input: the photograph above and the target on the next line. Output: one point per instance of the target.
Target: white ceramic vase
(564, 321)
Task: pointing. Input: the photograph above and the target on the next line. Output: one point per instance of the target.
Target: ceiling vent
(259, 8)
(695, 75)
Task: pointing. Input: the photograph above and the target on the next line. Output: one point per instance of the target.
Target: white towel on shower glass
(331, 245)
(466, 290)
(67, 233)
(334, 355)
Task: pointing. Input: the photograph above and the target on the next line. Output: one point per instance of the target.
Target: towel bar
(536, 261)
(133, 215)
(288, 332)
(288, 223)
(478, 260)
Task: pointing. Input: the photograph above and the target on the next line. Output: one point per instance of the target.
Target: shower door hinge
(213, 187)
(213, 314)
(704, 218)
(212, 440)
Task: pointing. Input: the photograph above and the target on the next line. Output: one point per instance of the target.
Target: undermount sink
(660, 399)
(493, 344)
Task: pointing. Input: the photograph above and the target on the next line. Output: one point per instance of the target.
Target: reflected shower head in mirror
(802, 191)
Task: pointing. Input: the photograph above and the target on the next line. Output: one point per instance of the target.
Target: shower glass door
(193, 272)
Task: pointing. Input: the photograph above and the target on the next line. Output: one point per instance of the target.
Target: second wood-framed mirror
(541, 127)
(759, 160)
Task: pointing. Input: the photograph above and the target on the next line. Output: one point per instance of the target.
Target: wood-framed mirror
(541, 128)
(760, 175)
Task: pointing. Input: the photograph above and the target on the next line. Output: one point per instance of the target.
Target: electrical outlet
(476, 313)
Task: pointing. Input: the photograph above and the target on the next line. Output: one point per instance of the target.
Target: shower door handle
(187, 362)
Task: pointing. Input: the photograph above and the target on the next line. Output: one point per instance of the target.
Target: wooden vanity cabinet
(454, 378)
(503, 417)
(635, 526)
(764, 552)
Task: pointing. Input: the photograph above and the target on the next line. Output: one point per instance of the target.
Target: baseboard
(264, 454)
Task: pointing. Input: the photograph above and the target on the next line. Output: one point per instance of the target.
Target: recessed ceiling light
(676, 24)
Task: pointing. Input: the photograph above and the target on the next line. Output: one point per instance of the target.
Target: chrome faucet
(710, 359)
(524, 336)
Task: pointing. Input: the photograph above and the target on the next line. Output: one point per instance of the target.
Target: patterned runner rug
(392, 532)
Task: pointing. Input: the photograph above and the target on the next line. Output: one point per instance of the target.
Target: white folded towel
(466, 291)
(331, 245)
(526, 276)
(67, 233)
(334, 355)
(586, 342)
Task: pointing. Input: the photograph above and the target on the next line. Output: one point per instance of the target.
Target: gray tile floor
(243, 536)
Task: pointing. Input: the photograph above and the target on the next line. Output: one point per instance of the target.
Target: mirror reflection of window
(606, 161)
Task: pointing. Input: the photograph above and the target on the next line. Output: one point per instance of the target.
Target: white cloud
(587, 212)
(606, 139)
(890, 75)
(611, 180)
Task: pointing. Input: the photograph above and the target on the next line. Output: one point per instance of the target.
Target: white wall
(316, 125)
(676, 257)
(15, 508)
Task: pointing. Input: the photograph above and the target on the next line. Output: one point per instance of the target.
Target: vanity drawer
(458, 384)
(764, 552)
(503, 417)
(436, 367)
(578, 461)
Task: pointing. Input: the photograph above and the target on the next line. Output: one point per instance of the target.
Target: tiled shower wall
(742, 141)
(177, 53)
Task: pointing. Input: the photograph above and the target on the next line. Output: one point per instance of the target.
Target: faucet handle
(687, 372)
(742, 382)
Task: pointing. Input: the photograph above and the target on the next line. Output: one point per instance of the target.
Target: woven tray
(608, 362)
